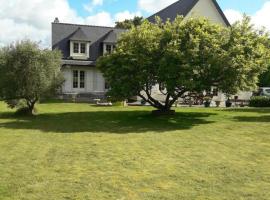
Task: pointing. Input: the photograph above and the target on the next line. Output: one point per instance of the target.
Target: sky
(31, 19)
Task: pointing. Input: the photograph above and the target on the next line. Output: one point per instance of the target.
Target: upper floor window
(79, 47)
(75, 47)
(83, 48)
(108, 48)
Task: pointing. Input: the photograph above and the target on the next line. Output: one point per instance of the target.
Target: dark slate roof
(79, 35)
(182, 7)
(111, 37)
(62, 33)
(78, 62)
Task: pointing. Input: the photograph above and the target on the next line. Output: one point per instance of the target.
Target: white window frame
(105, 48)
(79, 72)
(79, 47)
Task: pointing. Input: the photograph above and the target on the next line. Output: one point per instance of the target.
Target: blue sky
(116, 6)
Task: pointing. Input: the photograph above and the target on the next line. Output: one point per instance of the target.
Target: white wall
(94, 80)
(206, 8)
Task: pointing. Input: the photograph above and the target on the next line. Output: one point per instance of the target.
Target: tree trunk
(162, 109)
(163, 112)
(31, 107)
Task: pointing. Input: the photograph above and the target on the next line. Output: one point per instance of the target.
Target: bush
(259, 102)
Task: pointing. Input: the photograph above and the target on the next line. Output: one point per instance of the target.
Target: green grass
(78, 151)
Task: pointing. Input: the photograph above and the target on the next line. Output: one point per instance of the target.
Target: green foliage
(264, 78)
(185, 56)
(247, 56)
(28, 73)
(129, 23)
(260, 101)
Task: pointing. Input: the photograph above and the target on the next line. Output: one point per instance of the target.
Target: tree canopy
(28, 73)
(128, 23)
(185, 56)
(264, 78)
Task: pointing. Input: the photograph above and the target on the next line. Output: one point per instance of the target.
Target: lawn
(79, 151)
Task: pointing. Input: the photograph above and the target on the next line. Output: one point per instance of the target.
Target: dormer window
(109, 48)
(79, 47)
(76, 47)
(79, 50)
(83, 47)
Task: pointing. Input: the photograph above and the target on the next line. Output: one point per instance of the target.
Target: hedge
(260, 101)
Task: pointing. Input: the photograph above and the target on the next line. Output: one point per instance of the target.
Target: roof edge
(71, 24)
(162, 10)
(221, 13)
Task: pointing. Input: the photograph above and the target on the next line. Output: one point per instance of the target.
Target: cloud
(90, 6)
(121, 16)
(233, 15)
(102, 18)
(31, 19)
(152, 6)
(259, 19)
(21, 19)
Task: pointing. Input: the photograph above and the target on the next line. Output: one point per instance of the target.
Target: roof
(111, 37)
(78, 62)
(62, 33)
(79, 35)
(182, 7)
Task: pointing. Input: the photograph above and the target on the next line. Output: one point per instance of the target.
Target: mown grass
(79, 151)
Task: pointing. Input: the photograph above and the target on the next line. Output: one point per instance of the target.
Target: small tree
(186, 56)
(128, 23)
(28, 73)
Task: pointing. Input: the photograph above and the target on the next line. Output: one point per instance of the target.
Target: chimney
(56, 20)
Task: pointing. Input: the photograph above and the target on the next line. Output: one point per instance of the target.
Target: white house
(81, 45)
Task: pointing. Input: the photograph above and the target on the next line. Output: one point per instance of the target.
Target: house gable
(209, 9)
(191, 8)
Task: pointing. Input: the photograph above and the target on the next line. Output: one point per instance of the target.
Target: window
(75, 79)
(82, 79)
(79, 47)
(82, 48)
(108, 48)
(78, 79)
(76, 48)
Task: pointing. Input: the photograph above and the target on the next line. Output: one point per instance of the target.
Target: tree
(128, 23)
(264, 78)
(184, 57)
(28, 73)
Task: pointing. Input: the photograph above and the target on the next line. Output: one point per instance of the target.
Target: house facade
(82, 45)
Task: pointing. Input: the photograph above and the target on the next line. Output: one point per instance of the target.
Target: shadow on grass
(250, 110)
(262, 118)
(120, 122)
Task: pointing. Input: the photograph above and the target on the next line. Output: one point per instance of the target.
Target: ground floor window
(78, 79)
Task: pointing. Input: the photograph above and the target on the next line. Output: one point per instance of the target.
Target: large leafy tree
(28, 73)
(264, 78)
(182, 57)
(128, 23)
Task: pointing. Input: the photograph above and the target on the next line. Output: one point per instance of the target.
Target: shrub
(259, 102)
